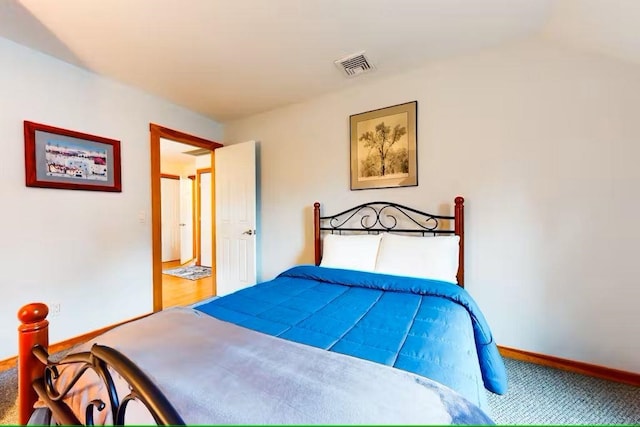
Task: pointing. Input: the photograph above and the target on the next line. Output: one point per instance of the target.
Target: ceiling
(176, 152)
(228, 59)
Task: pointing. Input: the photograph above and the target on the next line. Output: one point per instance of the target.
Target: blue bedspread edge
(494, 374)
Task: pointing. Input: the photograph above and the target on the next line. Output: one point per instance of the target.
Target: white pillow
(354, 252)
(426, 257)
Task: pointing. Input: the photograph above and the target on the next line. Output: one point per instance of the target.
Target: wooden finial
(33, 331)
(33, 313)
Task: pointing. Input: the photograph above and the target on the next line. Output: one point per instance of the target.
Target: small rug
(191, 272)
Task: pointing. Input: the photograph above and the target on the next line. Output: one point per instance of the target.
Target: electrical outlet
(54, 309)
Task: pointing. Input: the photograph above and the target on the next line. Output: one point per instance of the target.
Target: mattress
(215, 372)
(430, 328)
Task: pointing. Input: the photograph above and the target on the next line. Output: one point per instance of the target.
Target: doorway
(158, 133)
(205, 217)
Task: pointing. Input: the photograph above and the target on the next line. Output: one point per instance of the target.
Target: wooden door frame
(191, 178)
(157, 132)
(174, 178)
(198, 221)
(194, 206)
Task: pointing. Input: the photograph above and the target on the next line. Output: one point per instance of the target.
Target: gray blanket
(215, 372)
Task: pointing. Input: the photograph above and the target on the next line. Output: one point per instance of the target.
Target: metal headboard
(378, 217)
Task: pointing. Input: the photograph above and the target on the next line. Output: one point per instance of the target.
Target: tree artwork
(384, 147)
(383, 158)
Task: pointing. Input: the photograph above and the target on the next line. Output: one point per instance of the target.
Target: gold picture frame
(384, 147)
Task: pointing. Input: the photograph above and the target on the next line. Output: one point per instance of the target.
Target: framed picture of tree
(384, 147)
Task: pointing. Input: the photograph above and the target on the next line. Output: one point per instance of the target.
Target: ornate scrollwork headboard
(389, 217)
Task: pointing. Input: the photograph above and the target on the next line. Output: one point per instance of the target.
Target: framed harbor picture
(61, 158)
(384, 147)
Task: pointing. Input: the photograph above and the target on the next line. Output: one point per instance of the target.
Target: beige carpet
(9, 396)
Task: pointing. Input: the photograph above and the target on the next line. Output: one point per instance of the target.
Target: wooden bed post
(459, 230)
(34, 330)
(316, 232)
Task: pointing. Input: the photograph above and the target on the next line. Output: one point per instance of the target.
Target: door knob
(250, 232)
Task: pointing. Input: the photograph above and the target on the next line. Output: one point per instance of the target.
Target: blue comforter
(428, 327)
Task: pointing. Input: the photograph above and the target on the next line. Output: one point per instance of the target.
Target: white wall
(177, 168)
(203, 162)
(543, 144)
(85, 250)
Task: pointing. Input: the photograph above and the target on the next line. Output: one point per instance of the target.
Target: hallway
(178, 291)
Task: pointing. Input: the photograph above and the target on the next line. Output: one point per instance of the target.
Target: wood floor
(175, 291)
(178, 291)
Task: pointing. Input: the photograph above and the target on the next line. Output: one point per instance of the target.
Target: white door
(206, 221)
(170, 208)
(186, 220)
(235, 185)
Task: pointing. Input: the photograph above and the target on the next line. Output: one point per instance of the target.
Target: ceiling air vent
(355, 64)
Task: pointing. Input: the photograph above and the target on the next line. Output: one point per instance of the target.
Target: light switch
(142, 217)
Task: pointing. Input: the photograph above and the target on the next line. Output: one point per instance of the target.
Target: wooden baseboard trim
(63, 345)
(8, 363)
(572, 366)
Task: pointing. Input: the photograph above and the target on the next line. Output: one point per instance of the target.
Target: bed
(378, 331)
